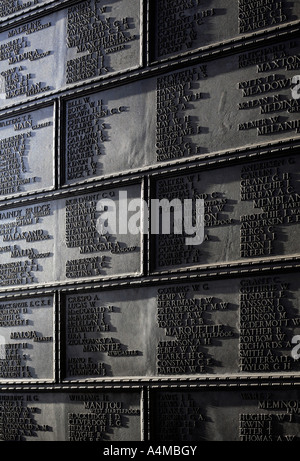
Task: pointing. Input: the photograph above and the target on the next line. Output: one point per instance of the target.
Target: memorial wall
(113, 329)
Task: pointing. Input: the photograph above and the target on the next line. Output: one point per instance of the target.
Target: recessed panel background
(27, 338)
(250, 213)
(88, 40)
(70, 417)
(246, 415)
(178, 27)
(27, 152)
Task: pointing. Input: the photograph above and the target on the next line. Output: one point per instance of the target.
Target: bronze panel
(58, 241)
(27, 338)
(69, 46)
(112, 131)
(250, 415)
(110, 334)
(232, 328)
(27, 167)
(27, 236)
(70, 417)
(83, 252)
(236, 102)
(251, 214)
(10, 8)
(183, 27)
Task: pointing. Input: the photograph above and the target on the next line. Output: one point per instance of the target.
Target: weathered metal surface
(70, 417)
(61, 241)
(228, 104)
(27, 336)
(248, 415)
(27, 152)
(242, 327)
(183, 27)
(251, 214)
(88, 41)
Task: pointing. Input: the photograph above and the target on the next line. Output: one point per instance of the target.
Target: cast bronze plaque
(239, 101)
(61, 241)
(249, 415)
(88, 250)
(110, 334)
(27, 338)
(184, 114)
(149, 204)
(245, 326)
(25, 166)
(110, 132)
(182, 27)
(70, 417)
(251, 212)
(12, 7)
(27, 239)
(88, 40)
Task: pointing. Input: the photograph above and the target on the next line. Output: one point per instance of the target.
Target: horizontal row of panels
(69, 46)
(175, 27)
(249, 212)
(180, 415)
(232, 103)
(232, 328)
(76, 45)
